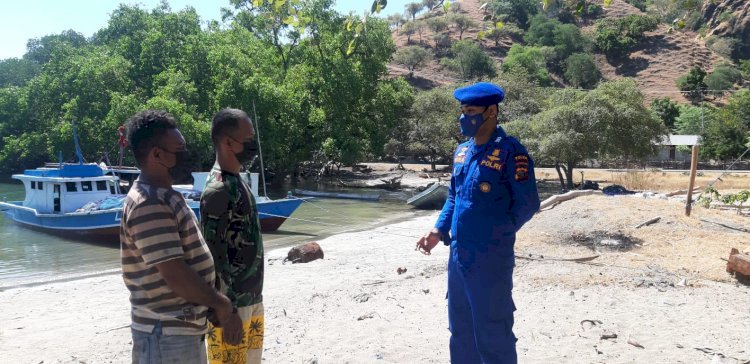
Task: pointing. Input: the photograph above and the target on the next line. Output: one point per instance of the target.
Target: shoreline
(352, 307)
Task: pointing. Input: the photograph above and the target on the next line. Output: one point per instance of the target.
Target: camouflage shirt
(231, 227)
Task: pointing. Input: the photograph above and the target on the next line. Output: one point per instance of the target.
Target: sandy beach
(629, 306)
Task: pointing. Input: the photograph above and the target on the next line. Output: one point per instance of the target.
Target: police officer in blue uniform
(492, 194)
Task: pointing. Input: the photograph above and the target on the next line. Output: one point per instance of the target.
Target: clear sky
(21, 20)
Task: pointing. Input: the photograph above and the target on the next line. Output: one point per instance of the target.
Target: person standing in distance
(492, 195)
(231, 225)
(166, 264)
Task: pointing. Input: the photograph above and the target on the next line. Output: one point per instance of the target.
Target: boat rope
(343, 216)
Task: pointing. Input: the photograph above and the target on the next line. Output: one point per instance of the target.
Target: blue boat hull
(272, 213)
(99, 225)
(105, 225)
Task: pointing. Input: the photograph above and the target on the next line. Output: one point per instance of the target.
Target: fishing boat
(344, 195)
(272, 213)
(69, 199)
(433, 197)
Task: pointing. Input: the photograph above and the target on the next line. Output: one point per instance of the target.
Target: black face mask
(183, 166)
(248, 153)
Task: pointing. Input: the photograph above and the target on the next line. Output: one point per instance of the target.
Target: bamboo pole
(693, 172)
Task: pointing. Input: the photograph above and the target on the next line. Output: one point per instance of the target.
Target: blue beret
(479, 94)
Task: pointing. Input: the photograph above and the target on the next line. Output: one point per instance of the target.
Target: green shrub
(581, 70)
(693, 83)
(723, 77)
(531, 59)
(615, 37)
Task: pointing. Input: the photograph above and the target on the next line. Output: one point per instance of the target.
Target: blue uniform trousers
(480, 306)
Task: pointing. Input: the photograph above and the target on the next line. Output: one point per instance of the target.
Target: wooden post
(693, 172)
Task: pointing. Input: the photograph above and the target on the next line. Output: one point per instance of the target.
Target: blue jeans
(156, 348)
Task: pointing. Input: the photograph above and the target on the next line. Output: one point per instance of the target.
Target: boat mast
(260, 151)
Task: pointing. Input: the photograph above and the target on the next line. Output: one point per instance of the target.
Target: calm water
(29, 256)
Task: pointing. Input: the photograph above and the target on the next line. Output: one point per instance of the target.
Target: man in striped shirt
(166, 264)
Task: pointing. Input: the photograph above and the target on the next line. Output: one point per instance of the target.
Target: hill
(655, 63)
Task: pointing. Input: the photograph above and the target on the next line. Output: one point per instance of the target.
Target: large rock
(305, 253)
(730, 18)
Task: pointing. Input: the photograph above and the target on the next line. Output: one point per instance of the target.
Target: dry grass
(657, 181)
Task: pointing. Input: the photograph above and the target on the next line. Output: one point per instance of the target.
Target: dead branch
(648, 222)
(566, 196)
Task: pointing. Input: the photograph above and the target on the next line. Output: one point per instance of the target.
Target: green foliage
(523, 98)
(693, 83)
(608, 122)
(431, 132)
(693, 119)
(615, 37)
(410, 28)
(412, 57)
(516, 11)
(581, 70)
(412, 9)
(40, 50)
(566, 39)
(723, 77)
(16, 72)
(745, 68)
(640, 4)
(317, 80)
(541, 31)
(723, 46)
(462, 23)
(531, 60)
(726, 137)
(396, 20)
(430, 4)
(667, 110)
(469, 61)
(437, 24)
(506, 31)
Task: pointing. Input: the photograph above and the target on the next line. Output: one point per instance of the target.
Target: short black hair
(145, 129)
(225, 122)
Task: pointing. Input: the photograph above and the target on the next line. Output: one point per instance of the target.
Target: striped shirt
(157, 226)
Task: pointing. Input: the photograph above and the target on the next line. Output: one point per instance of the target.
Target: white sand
(353, 307)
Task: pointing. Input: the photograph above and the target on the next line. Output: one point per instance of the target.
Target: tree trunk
(560, 176)
(569, 174)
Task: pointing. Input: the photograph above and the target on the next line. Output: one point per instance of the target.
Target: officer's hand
(429, 241)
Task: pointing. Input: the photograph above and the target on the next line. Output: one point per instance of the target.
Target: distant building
(676, 147)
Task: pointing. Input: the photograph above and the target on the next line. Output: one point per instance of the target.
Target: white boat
(69, 199)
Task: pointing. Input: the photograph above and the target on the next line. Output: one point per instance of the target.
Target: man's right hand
(230, 323)
(428, 241)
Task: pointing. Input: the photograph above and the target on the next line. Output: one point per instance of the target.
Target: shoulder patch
(522, 167)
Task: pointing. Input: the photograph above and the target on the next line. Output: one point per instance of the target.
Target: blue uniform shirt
(492, 193)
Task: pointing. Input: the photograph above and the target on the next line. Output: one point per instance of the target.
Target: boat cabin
(66, 188)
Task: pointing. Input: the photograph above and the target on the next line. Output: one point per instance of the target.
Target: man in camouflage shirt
(229, 219)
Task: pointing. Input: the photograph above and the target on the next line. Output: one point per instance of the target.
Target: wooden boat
(344, 195)
(431, 198)
(69, 199)
(272, 213)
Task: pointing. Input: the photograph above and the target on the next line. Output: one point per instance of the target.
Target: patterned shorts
(249, 350)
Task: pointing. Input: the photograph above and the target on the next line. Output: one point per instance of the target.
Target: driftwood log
(739, 265)
(682, 192)
(566, 196)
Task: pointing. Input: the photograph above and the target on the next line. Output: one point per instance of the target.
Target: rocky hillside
(730, 18)
(655, 63)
